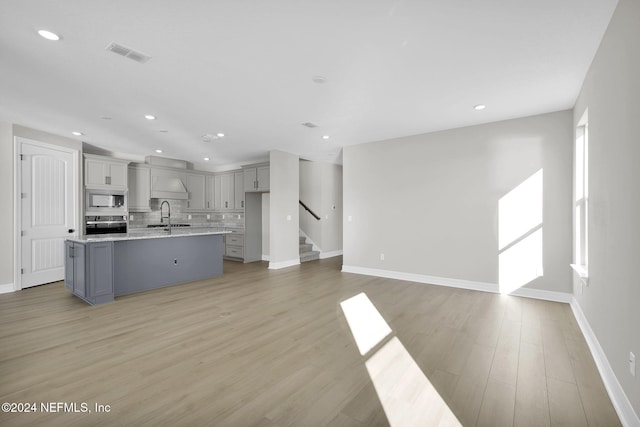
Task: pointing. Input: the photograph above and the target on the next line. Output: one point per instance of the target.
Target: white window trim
(582, 258)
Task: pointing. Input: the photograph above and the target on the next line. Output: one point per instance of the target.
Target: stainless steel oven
(105, 224)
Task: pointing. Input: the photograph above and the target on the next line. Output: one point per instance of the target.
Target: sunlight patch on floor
(406, 394)
(367, 325)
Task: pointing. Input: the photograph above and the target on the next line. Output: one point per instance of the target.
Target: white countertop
(149, 233)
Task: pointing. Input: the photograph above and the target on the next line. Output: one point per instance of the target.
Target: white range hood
(168, 187)
(165, 183)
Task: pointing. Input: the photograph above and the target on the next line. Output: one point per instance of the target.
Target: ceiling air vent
(310, 125)
(128, 53)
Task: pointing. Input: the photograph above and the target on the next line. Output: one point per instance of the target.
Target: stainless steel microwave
(105, 202)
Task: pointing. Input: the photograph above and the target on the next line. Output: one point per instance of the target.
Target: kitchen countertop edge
(145, 235)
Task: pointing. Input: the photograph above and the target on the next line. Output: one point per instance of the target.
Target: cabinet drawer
(234, 251)
(235, 239)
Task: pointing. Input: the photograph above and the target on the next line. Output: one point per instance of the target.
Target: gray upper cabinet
(105, 172)
(139, 188)
(256, 178)
(225, 192)
(197, 195)
(239, 189)
(210, 191)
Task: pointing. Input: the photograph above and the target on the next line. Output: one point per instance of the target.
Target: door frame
(17, 193)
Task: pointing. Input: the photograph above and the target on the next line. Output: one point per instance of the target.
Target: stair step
(305, 247)
(303, 239)
(309, 256)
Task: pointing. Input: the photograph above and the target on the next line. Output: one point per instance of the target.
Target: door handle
(71, 231)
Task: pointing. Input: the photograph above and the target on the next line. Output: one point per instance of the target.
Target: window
(581, 205)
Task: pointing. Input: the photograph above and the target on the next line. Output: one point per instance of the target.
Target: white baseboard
(619, 399)
(283, 264)
(563, 297)
(6, 288)
(421, 278)
(330, 254)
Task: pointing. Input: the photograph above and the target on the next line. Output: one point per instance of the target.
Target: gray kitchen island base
(99, 269)
(141, 265)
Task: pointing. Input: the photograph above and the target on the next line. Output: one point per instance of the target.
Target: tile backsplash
(178, 215)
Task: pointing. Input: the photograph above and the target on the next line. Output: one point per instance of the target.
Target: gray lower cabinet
(234, 246)
(145, 264)
(89, 270)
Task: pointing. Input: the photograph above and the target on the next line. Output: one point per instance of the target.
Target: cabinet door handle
(242, 203)
(208, 205)
(226, 204)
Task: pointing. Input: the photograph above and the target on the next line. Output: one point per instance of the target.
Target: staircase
(306, 251)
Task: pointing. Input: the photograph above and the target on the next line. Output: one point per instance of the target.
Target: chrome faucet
(168, 217)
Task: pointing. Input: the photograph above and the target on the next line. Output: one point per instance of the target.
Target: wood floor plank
(565, 406)
(260, 347)
(498, 404)
(532, 402)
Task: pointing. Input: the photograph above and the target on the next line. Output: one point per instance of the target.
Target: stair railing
(309, 210)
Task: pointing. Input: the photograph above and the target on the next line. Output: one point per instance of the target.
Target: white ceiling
(245, 68)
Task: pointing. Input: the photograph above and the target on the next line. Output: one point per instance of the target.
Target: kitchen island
(100, 268)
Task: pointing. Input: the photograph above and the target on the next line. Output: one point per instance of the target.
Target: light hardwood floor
(259, 347)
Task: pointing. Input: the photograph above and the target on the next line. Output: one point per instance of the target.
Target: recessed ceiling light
(49, 35)
(319, 79)
(220, 135)
(479, 107)
(325, 136)
(158, 151)
(149, 117)
(206, 159)
(76, 133)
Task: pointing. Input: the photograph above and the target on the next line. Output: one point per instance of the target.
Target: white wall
(430, 202)
(284, 220)
(6, 213)
(611, 302)
(321, 191)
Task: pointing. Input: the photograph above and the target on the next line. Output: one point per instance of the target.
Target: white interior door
(48, 210)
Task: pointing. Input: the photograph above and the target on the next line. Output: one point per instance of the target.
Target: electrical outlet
(208, 216)
(188, 216)
(381, 257)
(632, 363)
(131, 217)
(349, 218)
